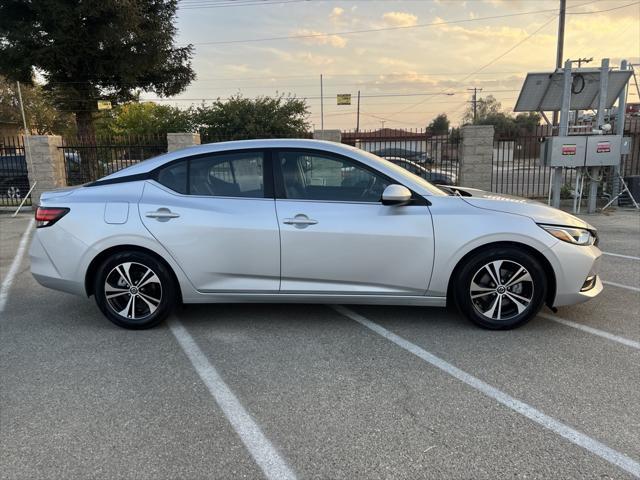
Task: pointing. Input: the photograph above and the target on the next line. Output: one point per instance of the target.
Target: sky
(416, 60)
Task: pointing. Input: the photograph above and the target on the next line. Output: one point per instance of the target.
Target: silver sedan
(305, 221)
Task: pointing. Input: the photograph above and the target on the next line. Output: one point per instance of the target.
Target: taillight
(47, 216)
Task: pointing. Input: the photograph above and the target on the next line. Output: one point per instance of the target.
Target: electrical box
(564, 151)
(603, 150)
(582, 151)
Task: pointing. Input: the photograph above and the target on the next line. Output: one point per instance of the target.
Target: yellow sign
(344, 99)
(104, 105)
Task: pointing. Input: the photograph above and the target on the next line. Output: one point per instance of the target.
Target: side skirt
(317, 298)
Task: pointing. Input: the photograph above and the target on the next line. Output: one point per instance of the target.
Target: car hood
(537, 211)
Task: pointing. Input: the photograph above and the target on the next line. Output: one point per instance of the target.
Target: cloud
(317, 60)
(320, 38)
(336, 13)
(395, 62)
(400, 19)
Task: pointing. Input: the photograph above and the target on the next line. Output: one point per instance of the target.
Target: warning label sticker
(603, 147)
(569, 149)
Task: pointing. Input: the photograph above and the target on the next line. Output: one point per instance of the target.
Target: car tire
(500, 288)
(134, 290)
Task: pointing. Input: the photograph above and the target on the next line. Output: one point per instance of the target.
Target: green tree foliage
(41, 115)
(439, 125)
(489, 112)
(90, 50)
(145, 119)
(263, 117)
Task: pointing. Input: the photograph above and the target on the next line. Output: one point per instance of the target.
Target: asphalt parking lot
(309, 391)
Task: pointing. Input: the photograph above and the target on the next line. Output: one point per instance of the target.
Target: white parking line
(610, 455)
(15, 265)
(630, 257)
(620, 285)
(594, 331)
(262, 451)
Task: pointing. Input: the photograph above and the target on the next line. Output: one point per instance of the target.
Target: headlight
(577, 236)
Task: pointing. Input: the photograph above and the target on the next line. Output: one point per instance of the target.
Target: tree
(489, 112)
(90, 50)
(439, 125)
(41, 115)
(485, 107)
(262, 117)
(145, 119)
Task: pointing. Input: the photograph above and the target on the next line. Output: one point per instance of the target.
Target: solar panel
(543, 91)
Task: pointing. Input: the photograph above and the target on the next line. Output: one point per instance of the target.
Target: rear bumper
(575, 265)
(45, 272)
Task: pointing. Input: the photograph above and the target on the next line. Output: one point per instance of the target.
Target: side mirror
(396, 195)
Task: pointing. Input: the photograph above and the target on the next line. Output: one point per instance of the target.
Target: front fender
(460, 228)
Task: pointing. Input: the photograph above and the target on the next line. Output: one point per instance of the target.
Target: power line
(369, 30)
(405, 27)
(330, 75)
(495, 59)
(205, 5)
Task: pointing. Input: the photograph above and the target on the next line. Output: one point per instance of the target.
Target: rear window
(174, 177)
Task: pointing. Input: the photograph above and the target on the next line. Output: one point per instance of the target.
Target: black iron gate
(87, 159)
(14, 180)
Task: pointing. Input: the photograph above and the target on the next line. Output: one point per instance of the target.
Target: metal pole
(358, 114)
(622, 106)
(602, 103)
(26, 141)
(560, 47)
(321, 108)
(562, 131)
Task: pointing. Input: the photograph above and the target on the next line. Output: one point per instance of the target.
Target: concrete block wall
(330, 135)
(45, 164)
(476, 156)
(178, 141)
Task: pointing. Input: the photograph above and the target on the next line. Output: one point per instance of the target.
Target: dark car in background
(14, 178)
(413, 155)
(433, 175)
(14, 181)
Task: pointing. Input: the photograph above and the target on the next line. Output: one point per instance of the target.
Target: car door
(336, 235)
(215, 214)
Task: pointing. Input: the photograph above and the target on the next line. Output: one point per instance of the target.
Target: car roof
(366, 158)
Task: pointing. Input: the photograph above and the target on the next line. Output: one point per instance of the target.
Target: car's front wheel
(500, 288)
(134, 290)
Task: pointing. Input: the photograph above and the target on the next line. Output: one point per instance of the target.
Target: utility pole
(475, 91)
(382, 123)
(321, 107)
(358, 114)
(27, 134)
(560, 47)
(584, 60)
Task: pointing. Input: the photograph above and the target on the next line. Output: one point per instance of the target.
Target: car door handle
(162, 214)
(300, 221)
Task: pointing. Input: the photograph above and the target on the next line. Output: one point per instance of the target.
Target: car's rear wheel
(500, 288)
(134, 290)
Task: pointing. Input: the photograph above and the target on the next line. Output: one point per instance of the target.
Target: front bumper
(574, 265)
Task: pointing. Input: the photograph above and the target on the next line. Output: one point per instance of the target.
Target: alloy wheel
(133, 290)
(501, 290)
(13, 192)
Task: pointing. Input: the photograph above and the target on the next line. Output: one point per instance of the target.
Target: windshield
(433, 190)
